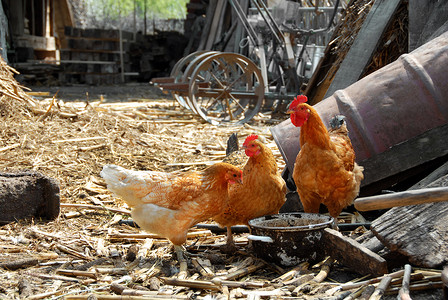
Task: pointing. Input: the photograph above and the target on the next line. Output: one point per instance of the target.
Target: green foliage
(116, 9)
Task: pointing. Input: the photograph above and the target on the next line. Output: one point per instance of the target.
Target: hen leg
(334, 213)
(334, 225)
(229, 247)
(182, 262)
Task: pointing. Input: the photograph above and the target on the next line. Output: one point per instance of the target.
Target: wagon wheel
(177, 73)
(186, 74)
(226, 88)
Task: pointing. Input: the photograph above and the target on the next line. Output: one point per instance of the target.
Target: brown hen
(325, 170)
(262, 192)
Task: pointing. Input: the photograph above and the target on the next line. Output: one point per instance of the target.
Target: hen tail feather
(232, 144)
(121, 182)
(337, 121)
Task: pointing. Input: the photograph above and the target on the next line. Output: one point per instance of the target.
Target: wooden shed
(36, 28)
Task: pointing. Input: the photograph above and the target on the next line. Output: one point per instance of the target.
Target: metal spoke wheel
(178, 73)
(226, 88)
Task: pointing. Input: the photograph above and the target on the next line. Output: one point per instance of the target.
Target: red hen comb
(298, 100)
(249, 138)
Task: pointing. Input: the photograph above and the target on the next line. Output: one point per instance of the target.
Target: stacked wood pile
(95, 56)
(155, 55)
(105, 57)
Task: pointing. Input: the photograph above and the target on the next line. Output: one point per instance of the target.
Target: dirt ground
(110, 93)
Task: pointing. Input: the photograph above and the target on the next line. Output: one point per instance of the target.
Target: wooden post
(121, 55)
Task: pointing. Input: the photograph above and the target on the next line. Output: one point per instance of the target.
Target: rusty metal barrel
(397, 102)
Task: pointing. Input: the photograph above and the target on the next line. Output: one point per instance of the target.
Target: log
(17, 264)
(405, 198)
(352, 254)
(28, 194)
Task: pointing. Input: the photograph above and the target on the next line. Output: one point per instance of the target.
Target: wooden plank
(425, 18)
(181, 87)
(121, 57)
(63, 18)
(93, 38)
(436, 174)
(418, 232)
(81, 50)
(159, 80)
(220, 30)
(89, 62)
(364, 45)
(352, 254)
(240, 32)
(404, 156)
(215, 24)
(208, 22)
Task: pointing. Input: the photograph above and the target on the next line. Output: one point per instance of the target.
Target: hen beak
(240, 179)
(290, 111)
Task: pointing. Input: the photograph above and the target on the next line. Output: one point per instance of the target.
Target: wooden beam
(352, 254)
(208, 23)
(425, 18)
(404, 156)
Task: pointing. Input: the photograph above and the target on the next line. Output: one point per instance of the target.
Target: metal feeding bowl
(290, 238)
